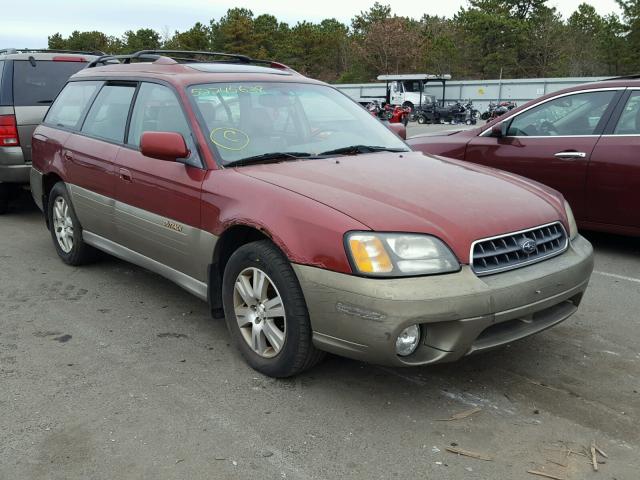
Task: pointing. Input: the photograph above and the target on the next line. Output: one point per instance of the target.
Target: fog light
(408, 340)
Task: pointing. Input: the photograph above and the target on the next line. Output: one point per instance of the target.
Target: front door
(551, 142)
(158, 202)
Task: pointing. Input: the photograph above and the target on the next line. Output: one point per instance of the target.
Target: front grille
(514, 250)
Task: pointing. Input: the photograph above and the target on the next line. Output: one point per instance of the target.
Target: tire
(422, 120)
(296, 352)
(5, 195)
(73, 250)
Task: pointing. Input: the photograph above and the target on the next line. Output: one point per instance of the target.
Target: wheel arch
(48, 182)
(229, 241)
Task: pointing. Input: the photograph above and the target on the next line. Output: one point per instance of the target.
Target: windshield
(246, 119)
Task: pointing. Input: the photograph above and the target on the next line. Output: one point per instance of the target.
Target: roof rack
(10, 51)
(179, 56)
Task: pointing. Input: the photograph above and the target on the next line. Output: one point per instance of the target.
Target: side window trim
(127, 127)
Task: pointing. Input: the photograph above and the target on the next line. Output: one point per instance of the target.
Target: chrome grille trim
(503, 252)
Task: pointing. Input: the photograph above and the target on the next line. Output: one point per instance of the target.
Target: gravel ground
(111, 372)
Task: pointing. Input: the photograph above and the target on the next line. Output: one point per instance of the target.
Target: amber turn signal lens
(369, 254)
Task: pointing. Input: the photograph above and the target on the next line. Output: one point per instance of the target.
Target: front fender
(308, 232)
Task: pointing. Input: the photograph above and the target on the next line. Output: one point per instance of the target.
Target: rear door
(89, 157)
(158, 202)
(551, 142)
(36, 84)
(613, 180)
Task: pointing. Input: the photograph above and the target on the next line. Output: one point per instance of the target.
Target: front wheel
(65, 228)
(265, 311)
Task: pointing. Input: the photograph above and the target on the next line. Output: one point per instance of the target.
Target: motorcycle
(453, 113)
(397, 114)
(495, 110)
(389, 113)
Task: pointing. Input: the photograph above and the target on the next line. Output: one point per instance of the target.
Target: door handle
(67, 156)
(125, 175)
(570, 155)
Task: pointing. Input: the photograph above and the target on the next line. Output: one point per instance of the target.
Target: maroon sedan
(582, 141)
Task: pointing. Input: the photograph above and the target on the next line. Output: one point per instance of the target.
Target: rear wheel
(265, 311)
(65, 228)
(5, 194)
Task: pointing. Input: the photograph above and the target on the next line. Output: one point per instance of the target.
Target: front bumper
(458, 313)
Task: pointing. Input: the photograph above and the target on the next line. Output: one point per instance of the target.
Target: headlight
(573, 227)
(399, 254)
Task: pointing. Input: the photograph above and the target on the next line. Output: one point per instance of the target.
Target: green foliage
(485, 39)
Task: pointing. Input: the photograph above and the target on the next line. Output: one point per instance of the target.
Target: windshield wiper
(268, 157)
(355, 149)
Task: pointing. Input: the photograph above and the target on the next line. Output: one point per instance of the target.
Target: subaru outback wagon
(303, 219)
(29, 81)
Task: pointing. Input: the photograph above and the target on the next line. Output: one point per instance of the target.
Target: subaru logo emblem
(528, 246)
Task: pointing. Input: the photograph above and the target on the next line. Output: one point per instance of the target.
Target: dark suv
(29, 81)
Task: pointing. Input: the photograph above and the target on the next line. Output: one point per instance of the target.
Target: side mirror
(499, 130)
(399, 129)
(169, 146)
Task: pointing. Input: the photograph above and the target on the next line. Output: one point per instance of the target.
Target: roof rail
(10, 51)
(184, 56)
(624, 77)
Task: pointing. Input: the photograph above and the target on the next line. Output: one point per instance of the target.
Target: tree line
(485, 39)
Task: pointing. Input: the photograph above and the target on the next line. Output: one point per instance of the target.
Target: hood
(411, 192)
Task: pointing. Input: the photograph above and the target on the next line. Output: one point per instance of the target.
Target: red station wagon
(582, 141)
(303, 219)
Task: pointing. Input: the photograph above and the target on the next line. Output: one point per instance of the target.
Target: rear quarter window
(71, 104)
(40, 84)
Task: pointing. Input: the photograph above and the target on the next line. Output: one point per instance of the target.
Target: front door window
(570, 115)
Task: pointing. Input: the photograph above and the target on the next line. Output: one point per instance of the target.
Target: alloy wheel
(63, 224)
(259, 311)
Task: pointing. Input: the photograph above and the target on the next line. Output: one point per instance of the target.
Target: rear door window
(107, 117)
(70, 105)
(39, 83)
(629, 123)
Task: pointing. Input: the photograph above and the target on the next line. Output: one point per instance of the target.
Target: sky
(28, 23)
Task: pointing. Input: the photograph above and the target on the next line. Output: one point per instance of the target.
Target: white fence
(480, 92)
